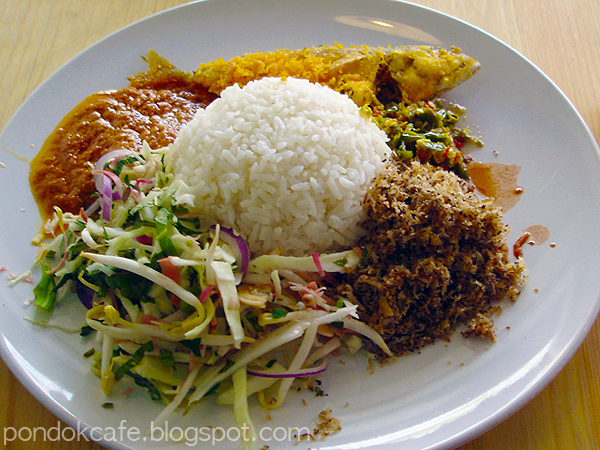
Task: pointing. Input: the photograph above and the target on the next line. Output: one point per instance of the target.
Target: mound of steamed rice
(286, 163)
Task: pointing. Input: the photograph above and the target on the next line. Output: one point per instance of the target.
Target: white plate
(445, 395)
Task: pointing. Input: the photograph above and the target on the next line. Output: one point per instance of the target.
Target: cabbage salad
(182, 310)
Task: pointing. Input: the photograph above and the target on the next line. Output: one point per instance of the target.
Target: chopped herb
(146, 383)
(253, 320)
(131, 286)
(363, 256)
(122, 163)
(338, 324)
(186, 307)
(108, 405)
(427, 131)
(86, 330)
(319, 392)
(271, 363)
(192, 344)
(166, 358)
(189, 226)
(278, 313)
(339, 303)
(141, 205)
(341, 262)
(134, 361)
(164, 231)
(89, 353)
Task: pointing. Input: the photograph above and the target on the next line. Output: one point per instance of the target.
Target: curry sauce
(152, 111)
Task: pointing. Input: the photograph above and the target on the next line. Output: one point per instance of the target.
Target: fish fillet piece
(369, 75)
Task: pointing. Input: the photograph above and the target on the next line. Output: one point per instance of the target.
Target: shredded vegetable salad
(183, 310)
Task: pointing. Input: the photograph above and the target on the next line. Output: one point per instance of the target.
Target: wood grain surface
(562, 37)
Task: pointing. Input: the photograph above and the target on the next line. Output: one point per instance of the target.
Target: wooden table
(562, 37)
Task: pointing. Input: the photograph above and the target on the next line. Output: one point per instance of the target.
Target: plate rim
(510, 408)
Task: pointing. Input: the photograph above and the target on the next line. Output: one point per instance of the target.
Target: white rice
(286, 163)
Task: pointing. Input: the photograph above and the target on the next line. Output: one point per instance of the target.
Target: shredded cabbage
(181, 312)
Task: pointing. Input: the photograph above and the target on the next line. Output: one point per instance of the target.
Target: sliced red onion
(308, 372)
(114, 154)
(99, 176)
(113, 176)
(104, 160)
(206, 293)
(317, 259)
(85, 295)
(240, 249)
(142, 181)
(106, 197)
(143, 239)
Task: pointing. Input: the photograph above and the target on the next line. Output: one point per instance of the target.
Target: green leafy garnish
(253, 321)
(192, 344)
(86, 330)
(278, 313)
(134, 361)
(166, 358)
(341, 262)
(164, 231)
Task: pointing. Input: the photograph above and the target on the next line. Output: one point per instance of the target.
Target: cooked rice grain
(286, 163)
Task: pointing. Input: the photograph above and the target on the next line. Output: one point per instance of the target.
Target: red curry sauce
(61, 172)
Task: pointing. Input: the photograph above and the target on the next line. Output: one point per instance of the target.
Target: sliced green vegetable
(148, 384)
(253, 321)
(341, 262)
(164, 231)
(86, 330)
(136, 358)
(45, 292)
(278, 313)
(122, 163)
(166, 358)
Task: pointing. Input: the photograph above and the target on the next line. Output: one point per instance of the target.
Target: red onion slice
(240, 249)
(144, 239)
(85, 295)
(142, 181)
(317, 259)
(106, 197)
(114, 154)
(105, 159)
(308, 372)
(208, 290)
